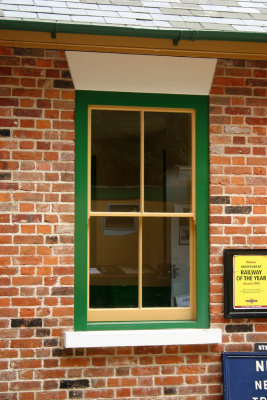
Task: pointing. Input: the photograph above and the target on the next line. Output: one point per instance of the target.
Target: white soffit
(141, 73)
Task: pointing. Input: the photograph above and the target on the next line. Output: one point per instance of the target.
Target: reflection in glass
(166, 262)
(167, 161)
(113, 262)
(115, 150)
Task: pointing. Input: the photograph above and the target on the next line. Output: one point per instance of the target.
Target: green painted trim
(200, 103)
(80, 286)
(175, 35)
(202, 210)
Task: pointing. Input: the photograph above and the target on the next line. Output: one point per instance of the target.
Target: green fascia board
(200, 104)
(176, 35)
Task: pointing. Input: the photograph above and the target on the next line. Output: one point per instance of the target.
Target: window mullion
(142, 162)
(193, 220)
(140, 275)
(142, 200)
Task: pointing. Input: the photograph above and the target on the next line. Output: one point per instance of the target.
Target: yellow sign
(250, 281)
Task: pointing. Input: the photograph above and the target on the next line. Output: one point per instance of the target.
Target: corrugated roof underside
(214, 15)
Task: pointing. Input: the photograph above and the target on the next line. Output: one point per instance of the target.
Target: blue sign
(245, 376)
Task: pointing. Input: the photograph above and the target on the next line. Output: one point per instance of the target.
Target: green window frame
(200, 105)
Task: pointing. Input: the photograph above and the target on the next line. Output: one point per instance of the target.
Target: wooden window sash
(140, 313)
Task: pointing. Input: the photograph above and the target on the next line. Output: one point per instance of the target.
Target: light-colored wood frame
(139, 313)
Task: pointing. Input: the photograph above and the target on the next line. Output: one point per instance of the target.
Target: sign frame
(229, 310)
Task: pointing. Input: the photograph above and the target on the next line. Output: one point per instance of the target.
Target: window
(141, 239)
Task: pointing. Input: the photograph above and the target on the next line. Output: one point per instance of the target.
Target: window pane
(113, 262)
(166, 262)
(168, 161)
(115, 149)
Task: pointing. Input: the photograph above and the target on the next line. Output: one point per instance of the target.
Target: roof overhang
(207, 44)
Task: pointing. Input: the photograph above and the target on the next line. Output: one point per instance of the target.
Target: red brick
(27, 92)
(41, 62)
(27, 396)
(68, 94)
(52, 94)
(192, 379)
(74, 362)
(238, 72)
(123, 392)
(146, 391)
(25, 134)
(43, 124)
(238, 110)
(148, 370)
(26, 302)
(99, 393)
(225, 81)
(26, 343)
(25, 385)
(48, 395)
(27, 155)
(168, 380)
(237, 150)
(50, 373)
(120, 382)
(99, 371)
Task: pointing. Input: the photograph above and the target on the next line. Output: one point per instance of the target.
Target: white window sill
(155, 337)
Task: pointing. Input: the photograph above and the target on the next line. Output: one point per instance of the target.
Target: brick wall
(238, 119)
(36, 238)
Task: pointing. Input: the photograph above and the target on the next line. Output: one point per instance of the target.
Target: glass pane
(168, 161)
(166, 262)
(115, 149)
(113, 262)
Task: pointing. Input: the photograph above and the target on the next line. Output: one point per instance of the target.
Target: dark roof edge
(176, 35)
